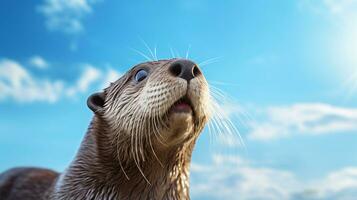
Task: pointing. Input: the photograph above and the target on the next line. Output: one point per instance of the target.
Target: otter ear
(96, 102)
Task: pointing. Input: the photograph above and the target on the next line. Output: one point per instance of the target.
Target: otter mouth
(183, 105)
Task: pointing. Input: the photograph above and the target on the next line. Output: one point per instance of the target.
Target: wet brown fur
(119, 159)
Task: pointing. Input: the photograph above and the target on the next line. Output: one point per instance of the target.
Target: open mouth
(183, 105)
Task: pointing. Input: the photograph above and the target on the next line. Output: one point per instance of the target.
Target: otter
(139, 142)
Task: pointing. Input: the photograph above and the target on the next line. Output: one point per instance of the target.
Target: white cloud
(231, 177)
(38, 62)
(229, 140)
(18, 84)
(88, 77)
(230, 108)
(111, 76)
(309, 118)
(341, 7)
(343, 182)
(66, 15)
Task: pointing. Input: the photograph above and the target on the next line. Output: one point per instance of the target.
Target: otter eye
(141, 75)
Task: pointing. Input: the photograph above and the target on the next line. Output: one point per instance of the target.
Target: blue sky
(289, 68)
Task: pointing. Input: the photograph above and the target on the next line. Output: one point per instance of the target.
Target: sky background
(289, 69)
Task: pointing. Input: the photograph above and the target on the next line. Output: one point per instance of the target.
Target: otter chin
(181, 122)
(138, 144)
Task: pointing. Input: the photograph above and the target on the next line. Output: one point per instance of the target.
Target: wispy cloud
(66, 15)
(19, 84)
(342, 9)
(341, 184)
(89, 76)
(231, 177)
(38, 62)
(303, 118)
(111, 76)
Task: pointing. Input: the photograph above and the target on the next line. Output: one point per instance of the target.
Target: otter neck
(120, 178)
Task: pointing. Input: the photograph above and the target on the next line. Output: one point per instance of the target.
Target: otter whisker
(209, 61)
(153, 151)
(133, 141)
(122, 169)
(138, 143)
(146, 112)
(222, 97)
(188, 51)
(138, 140)
(141, 172)
(215, 90)
(161, 120)
(215, 126)
(149, 127)
(219, 118)
(230, 128)
(156, 123)
(155, 53)
(172, 53)
(211, 131)
(212, 123)
(117, 140)
(139, 131)
(141, 135)
(132, 146)
(159, 139)
(227, 124)
(136, 160)
(177, 54)
(142, 54)
(222, 83)
(148, 48)
(147, 136)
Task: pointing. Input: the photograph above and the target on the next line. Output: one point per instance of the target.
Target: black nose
(185, 69)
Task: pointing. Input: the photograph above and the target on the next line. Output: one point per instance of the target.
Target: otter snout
(184, 69)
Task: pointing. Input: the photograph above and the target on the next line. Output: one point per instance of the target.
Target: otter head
(160, 104)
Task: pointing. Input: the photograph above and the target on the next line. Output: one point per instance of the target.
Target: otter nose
(184, 69)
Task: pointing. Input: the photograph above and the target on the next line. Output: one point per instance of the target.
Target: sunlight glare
(347, 59)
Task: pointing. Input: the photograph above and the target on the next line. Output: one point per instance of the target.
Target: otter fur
(138, 145)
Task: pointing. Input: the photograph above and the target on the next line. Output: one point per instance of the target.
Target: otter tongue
(182, 107)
